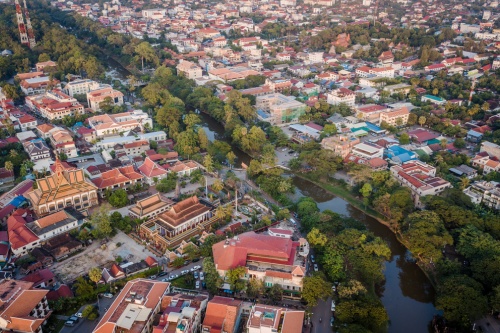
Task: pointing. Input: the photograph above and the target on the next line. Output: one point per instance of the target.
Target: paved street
(85, 325)
(323, 311)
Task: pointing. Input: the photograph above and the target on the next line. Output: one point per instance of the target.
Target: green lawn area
(182, 282)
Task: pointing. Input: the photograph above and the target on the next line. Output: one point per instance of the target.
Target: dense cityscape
(260, 166)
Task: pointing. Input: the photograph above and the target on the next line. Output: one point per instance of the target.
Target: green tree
(255, 288)
(212, 277)
(10, 91)
(101, 222)
(146, 53)
(404, 138)
(119, 198)
(89, 312)
(9, 166)
(178, 262)
(202, 139)
(234, 278)
(422, 120)
(83, 288)
(316, 238)
(461, 299)
(459, 143)
(366, 191)
(275, 293)
(217, 186)
(315, 287)
(95, 275)
(231, 157)
(208, 163)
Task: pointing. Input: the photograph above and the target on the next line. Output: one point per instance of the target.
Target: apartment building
(485, 162)
(189, 69)
(368, 150)
(36, 149)
(181, 311)
(22, 308)
(38, 85)
(273, 260)
(135, 307)
(487, 193)
(114, 124)
(341, 95)
(491, 149)
(102, 94)
(223, 315)
(54, 105)
(370, 112)
(279, 109)
(27, 122)
(341, 145)
(395, 117)
(420, 178)
(63, 143)
(80, 87)
(268, 318)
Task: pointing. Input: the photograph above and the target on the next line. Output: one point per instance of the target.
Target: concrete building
(189, 69)
(114, 124)
(487, 193)
(491, 149)
(80, 87)
(223, 315)
(420, 178)
(273, 260)
(340, 144)
(279, 109)
(22, 308)
(135, 307)
(54, 105)
(341, 95)
(268, 318)
(368, 150)
(102, 94)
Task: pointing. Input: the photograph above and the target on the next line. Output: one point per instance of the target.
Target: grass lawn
(181, 282)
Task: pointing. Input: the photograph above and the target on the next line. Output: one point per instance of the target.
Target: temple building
(150, 207)
(186, 219)
(64, 188)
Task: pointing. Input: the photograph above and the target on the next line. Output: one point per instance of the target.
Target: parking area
(94, 255)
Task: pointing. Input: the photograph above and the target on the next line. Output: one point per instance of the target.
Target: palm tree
(220, 212)
(217, 186)
(439, 159)
(464, 183)
(13, 153)
(9, 166)
(284, 186)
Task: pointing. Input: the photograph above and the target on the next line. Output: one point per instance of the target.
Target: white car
(78, 314)
(315, 267)
(333, 305)
(184, 272)
(197, 284)
(107, 295)
(196, 267)
(202, 276)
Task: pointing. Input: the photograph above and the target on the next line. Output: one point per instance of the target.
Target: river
(406, 293)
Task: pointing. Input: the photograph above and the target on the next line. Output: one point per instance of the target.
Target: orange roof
(183, 211)
(52, 219)
(19, 234)
(151, 169)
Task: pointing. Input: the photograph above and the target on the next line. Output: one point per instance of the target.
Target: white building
(113, 124)
(80, 87)
(485, 192)
(189, 69)
(368, 150)
(341, 95)
(102, 94)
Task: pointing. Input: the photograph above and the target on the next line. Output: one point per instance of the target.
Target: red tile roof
(19, 234)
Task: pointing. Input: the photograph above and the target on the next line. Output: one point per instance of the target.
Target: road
(323, 311)
(85, 325)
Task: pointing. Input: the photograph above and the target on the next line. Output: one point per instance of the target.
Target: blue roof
(405, 157)
(18, 201)
(263, 114)
(474, 133)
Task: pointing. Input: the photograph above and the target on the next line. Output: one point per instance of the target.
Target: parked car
(78, 314)
(195, 275)
(312, 258)
(202, 276)
(163, 273)
(107, 295)
(333, 305)
(184, 272)
(196, 267)
(152, 277)
(74, 318)
(164, 280)
(315, 267)
(197, 284)
(331, 321)
(69, 323)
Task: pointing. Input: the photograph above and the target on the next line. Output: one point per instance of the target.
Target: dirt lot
(69, 269)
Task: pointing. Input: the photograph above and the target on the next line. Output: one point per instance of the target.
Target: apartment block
(340, 144)
(420, 178)
(487, 193)
(102, 94)
(268, 318)
(341, 95)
